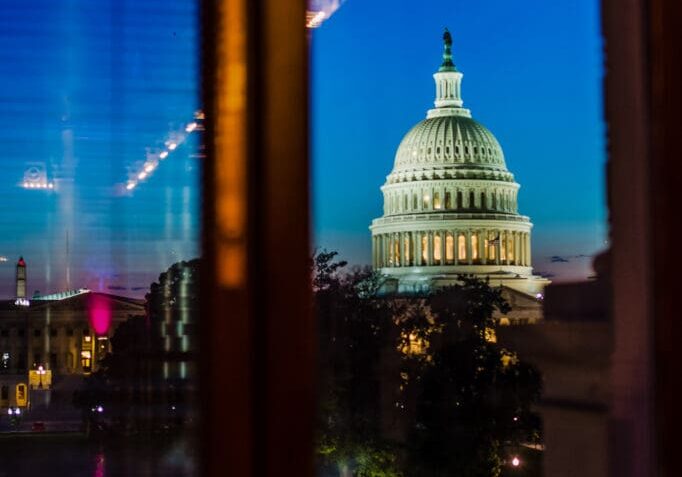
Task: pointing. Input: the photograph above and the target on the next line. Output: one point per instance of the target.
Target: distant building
(66, 332)
(450, 204)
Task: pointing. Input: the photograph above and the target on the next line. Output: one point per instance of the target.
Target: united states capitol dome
(450, 204)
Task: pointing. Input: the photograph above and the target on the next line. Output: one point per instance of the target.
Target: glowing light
(100, 409)
(515, 461)
(17, 411)
(173, 140)
(99, 313)
(320, 10)
(314, 19)
(50, 185)
(9, 411)
(22, 302)
(3, 259)
(539, 296)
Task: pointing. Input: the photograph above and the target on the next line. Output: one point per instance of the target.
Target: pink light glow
(99, 310)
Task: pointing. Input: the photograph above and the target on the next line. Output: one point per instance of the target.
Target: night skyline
(372, 67)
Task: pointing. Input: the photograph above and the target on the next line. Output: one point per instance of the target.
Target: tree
(471, 397)
(355, 327)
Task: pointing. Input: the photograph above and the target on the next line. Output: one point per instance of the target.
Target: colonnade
(451, 247)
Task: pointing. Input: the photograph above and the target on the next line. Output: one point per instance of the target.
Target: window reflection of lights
(320, 10)
(172, 142)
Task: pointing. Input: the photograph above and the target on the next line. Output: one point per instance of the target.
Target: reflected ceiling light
(173, 140)
(320, 10)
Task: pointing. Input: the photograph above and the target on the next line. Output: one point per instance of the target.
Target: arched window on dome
(405, 203)
(449, 248)
(437, 246)
(448, 200)
(436, 200)
(407, 256)
(459, 199)
(461, 247)
(494, 199)
(484, 202)
(472, 199)
(415, 202)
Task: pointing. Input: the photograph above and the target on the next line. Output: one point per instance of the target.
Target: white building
(450, 204)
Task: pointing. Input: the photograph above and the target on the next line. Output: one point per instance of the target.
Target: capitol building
(451, 204)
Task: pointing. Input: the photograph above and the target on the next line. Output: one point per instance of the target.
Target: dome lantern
(448, 79)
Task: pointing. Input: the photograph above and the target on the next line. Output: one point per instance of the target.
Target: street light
(515, 461)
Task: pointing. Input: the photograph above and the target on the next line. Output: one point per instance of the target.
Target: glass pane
(100, 127)
(491, 131)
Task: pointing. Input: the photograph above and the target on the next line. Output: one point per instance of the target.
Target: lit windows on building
(461, 247)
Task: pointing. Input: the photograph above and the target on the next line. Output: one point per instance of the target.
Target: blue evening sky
(85, 88)
(532, 75)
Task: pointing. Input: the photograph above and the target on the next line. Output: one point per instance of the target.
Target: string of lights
(174, 139)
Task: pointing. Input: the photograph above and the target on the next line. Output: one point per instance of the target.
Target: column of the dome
(498, 247)
(374, 252)
(528, 248)
(468, 244)
(455, 246)
(505, 237)
(443, 240)
(429, 248)
(481, 247)
(401, 248)
(384, 250)
(417, 248)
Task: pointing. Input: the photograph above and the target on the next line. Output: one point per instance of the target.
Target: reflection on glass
(101, 132)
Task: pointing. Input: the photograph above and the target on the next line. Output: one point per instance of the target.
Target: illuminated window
(425, 201)
(406, 249)
(437, 248)
(510, 247)
(425, 249)
(474, 246)
(436, 200)
(396, 252)
(503, 248)
(461, 247)
(449, 248)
